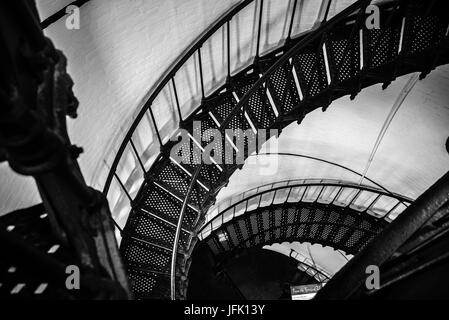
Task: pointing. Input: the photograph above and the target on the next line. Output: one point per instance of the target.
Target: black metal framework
(361, 198)
(411, 244)
(338, 58)
(316, 217)
(329, 225)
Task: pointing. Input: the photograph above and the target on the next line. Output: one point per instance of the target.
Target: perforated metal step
(339, 227)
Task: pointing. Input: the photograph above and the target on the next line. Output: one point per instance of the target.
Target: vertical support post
(259, 28)
(228, 40)
(176, 99)
(290, 28)
(326, 14)
(137, 155)
(201, 72)
(155, 127)
(123, 187)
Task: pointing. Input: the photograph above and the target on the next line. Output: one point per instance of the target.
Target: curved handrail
(178, 233)
(310, 182)
(303, 183)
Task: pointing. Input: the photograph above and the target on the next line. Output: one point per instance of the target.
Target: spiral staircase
(340, 55)
(340, 215)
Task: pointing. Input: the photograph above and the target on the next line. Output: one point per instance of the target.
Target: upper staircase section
(221, 56)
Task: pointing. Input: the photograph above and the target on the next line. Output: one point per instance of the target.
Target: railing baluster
(201, 72)
(137, 155)
(326, 14)
(228, 40)
(290, 28)
(274, 197)
(288, 195)
(176, 99)
(259, 29)
(117, 226)
(391, 210)
(355, 197)
(260, 200)
(358, 26)
(303, 194)
(372, 202)
(123, 187)
(319, 194)
(340, 189)
(155, 127)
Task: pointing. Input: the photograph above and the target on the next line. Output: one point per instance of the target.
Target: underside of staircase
(341, 57)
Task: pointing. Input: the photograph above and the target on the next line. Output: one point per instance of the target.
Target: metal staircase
(332, 213)
(339, 57)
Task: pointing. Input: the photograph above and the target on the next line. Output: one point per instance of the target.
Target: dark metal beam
(61, 13)
(353, 275)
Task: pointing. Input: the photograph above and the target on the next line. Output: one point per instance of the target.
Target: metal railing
(366, 199)
(319, 33)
